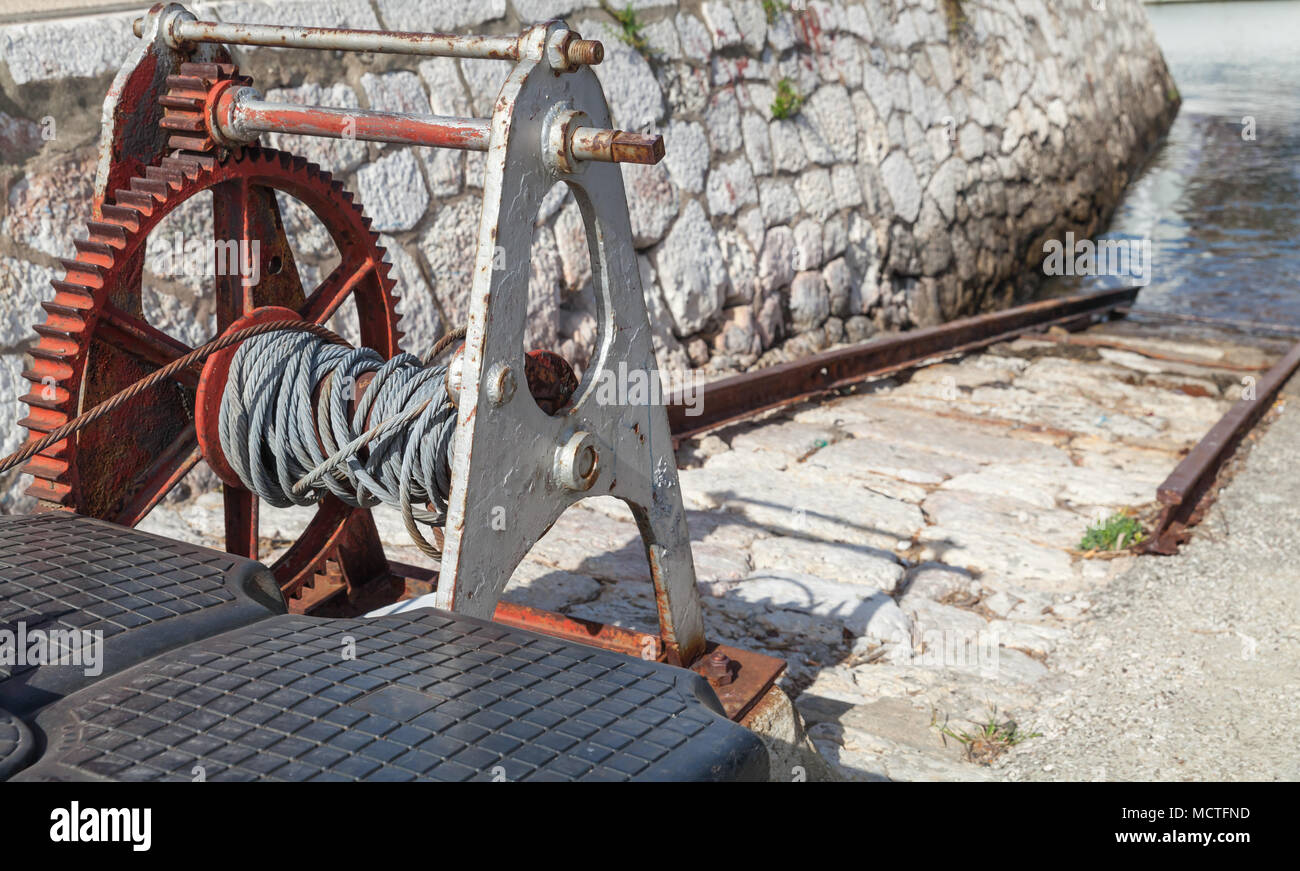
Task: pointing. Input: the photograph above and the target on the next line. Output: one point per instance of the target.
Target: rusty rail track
(1183, 494)
(750, 393)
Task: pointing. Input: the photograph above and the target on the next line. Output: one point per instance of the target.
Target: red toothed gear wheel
(189, 101)
(96, 341)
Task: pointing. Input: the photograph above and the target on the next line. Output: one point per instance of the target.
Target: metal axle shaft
(240, 115)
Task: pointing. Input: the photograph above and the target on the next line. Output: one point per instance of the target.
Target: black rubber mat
(63, 575)
(424, 695)
(16, 744)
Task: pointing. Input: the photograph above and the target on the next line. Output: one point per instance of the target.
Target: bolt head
(501, 384)
(455, 377)
(717, 668)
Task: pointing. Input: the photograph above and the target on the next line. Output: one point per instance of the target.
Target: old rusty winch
(181, 120)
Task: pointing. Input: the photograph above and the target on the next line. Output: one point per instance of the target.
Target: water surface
(1222, 211)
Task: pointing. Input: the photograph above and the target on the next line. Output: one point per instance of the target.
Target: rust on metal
(616, 146)
(1185, 492)
(551, 380)
(242, 119)
(585, 52)
(615, 638)
(752, 676)
(742, 396)
(718, 668)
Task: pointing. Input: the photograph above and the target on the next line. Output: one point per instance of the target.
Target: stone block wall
(834, 170)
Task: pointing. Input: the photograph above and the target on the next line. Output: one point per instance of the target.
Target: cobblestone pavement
(908, 548)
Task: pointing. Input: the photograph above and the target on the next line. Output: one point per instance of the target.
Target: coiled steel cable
(289, 449)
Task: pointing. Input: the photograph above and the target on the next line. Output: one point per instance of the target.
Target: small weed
(773, 8)
(989, 741)
(629, 24)
(1116, 532)
(955, 15)
(787, 102)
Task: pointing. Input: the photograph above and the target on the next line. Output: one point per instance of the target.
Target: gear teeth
(54, 355)
(83, 273)
(73, 294)
(44, 421)
(62, 309)
(124, 216)
(48, 467)
(170, 176)
(181, 101)
(141, 202)
(187, 167)
(47, 397)
(186, 123)
(191, 143)
(94, 252)
(185, 105)
(55, 493)
(63, 324)
(113, 235)
(205, 162)
(187, 83)
(159, 190)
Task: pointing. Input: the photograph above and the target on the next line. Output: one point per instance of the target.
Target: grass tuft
(788, 101)
(989, 741)
(956, 16)
(1116, 532)
(629, 26)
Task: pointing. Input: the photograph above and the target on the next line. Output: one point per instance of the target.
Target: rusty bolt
(717, 668)
(637, 148)
(587, 52)
(616, 146)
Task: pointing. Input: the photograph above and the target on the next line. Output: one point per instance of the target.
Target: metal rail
(745, 395)
(1184, 491)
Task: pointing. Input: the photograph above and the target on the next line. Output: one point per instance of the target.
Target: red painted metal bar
(243, 119)
(745, 395)
(616, 638)
(1183, 491)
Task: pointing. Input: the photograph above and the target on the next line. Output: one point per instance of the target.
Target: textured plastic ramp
(63, 575)
(16, 744)
(428, 696)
